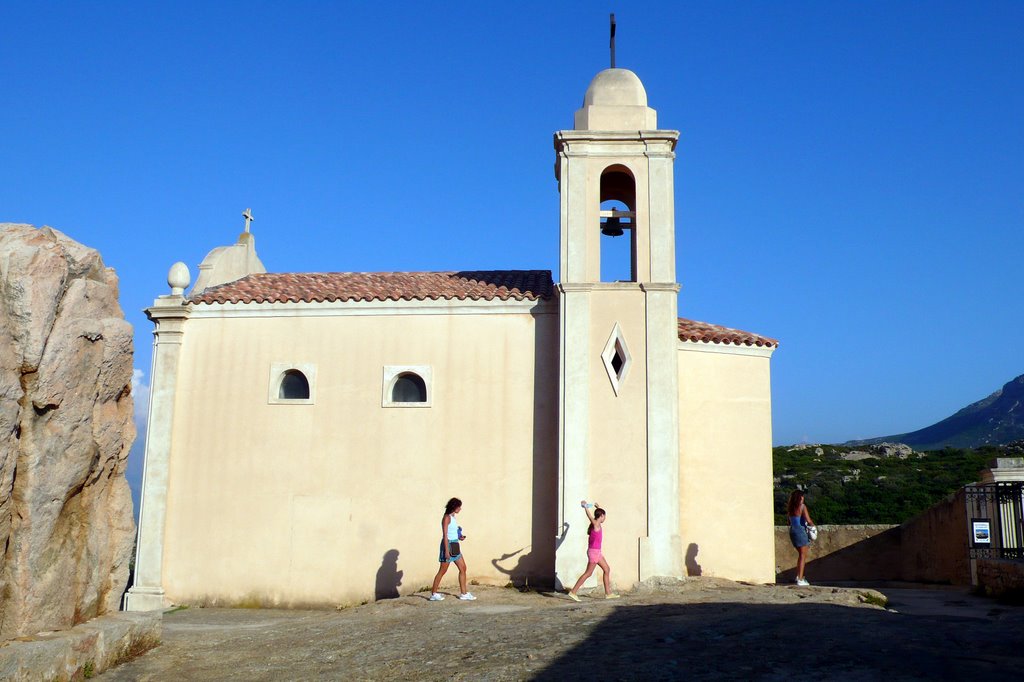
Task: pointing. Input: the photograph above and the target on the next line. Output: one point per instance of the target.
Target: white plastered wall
(618, 437)
(725, 468)
(298, 504)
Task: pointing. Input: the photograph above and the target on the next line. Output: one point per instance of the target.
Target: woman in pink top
(594, 556)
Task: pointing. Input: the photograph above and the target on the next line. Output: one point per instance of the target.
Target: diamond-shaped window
(618, 362)
(616, 359)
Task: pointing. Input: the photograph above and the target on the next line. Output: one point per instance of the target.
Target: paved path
(701, 629)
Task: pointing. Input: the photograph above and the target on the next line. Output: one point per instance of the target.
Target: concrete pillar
(169, 314)
(574, 430)
(661, 552)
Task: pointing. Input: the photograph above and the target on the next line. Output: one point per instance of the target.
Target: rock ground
(702, 628)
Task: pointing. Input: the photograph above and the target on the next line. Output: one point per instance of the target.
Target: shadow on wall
(759, 641)
(931, 548)
(873, 558)
(388, 577)
(536, 567)
(692, 567)
(525, 572)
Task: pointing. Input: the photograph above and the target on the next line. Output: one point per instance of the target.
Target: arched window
(409, 388)
(618, 225)
(294, 386)
(291, 383)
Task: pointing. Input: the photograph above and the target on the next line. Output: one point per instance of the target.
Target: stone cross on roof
(247, 214)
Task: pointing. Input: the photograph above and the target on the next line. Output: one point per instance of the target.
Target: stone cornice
(168, 307)
(655, 143)
(570, 287)
(563, 287)
(563, 136)
(169, 314)
(660, 286)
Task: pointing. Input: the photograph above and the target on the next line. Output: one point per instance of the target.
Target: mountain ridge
(994, 420)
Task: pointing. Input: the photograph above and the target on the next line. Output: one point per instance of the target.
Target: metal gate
(995, 520)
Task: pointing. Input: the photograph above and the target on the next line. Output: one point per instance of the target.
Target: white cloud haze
(140, 396)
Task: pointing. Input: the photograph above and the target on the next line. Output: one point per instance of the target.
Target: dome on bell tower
(616, 87)
(616, 100)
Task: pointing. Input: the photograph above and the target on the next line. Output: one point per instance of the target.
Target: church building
(306, 429)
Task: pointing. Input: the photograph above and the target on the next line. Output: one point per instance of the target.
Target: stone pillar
(661, 207)
(169, 313)
(574, 430)
(1003, 469)
(661, 552)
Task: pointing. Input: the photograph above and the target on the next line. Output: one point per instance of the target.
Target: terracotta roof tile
(692, 330)
(487, 285)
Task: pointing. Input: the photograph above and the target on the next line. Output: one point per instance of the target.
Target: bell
(611, 227)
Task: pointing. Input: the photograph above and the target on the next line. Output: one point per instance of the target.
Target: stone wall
(66, 525)
(934, 544)
(80, 652)
(853, 552)
(930, 548)
(1001, 577)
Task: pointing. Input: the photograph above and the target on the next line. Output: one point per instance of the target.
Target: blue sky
(849, 175)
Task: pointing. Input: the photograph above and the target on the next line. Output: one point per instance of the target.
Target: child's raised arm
(587, 507)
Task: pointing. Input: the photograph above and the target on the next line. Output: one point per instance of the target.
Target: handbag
(454, 549)
(812, 533)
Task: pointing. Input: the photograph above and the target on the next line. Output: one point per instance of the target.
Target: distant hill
(996, 420)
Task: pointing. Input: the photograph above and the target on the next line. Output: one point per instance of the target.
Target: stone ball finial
(178, 278)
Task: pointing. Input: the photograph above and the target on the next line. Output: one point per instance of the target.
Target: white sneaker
(802, 583)
(468, 596)
(434, 596)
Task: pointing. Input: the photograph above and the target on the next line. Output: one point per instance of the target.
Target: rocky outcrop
(1014, 446)
(881, 451)
(856, 456)
(898, 450)
(66, 526)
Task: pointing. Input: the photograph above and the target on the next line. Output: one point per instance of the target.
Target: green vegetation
(876, 598)
(135, 648)
(876, 489)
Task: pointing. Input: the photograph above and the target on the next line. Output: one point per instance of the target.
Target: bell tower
(619, 393)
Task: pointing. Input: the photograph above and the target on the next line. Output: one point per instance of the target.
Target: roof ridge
(486, 285)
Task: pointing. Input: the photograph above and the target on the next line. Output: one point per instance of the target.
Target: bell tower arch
(618, 220)
(619, 394)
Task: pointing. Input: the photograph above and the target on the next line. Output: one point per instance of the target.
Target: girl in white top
(451, 552)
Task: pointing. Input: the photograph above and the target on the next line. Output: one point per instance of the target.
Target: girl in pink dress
(595, 534)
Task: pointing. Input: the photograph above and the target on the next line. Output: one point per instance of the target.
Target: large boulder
(66, 524)
(897, 450)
